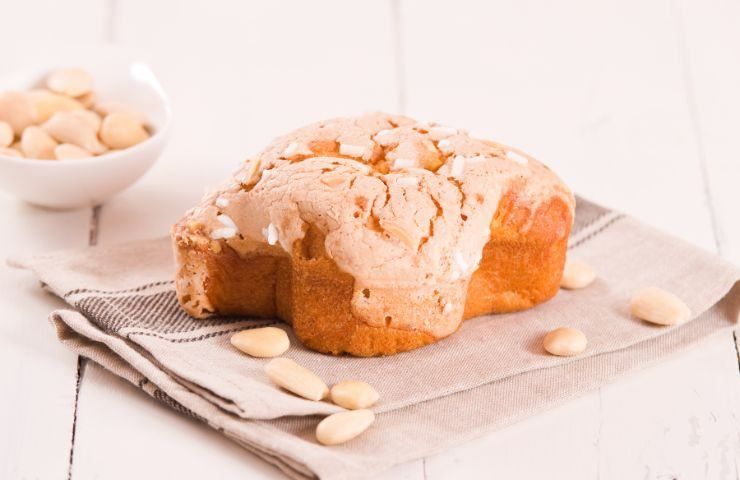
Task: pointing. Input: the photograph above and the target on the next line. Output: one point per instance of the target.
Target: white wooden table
(635, 103)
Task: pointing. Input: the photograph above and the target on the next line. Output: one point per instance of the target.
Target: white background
(635, 103)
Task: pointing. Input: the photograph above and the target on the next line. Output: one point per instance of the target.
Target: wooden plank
(237, 77)
(160, 442)
(672, 420)
(38, 373)
(710, 34)
(678, 419)
(40, 28)
(709, 41)
(596, 90)
(529, 449)
(37, 404)
(564, 81)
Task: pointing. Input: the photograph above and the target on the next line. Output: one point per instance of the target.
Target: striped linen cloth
(124, 315)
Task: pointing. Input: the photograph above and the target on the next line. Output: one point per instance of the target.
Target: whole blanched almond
(577, 274)
(36, 143)
(262, 342)
(354, 394)
(6, 134)
(296, 151)
(73, 82)
(89, 117)
(659, 306)
(105, 108)
(67, 151)
(285, 373)
(17, 109)
(343, 426)
(88, 100)
(333, 180)
(565, 342)
(46, 103)
(120, 130)
(252, 173)
(68, 127)
(400, 233)
(10, 152)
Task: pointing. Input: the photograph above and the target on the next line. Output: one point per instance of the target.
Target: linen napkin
(490, 373)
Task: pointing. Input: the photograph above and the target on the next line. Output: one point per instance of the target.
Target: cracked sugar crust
(400, 202)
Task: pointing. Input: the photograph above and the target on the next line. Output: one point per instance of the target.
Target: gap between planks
(92, 240)
(109, 36)
(696, 130)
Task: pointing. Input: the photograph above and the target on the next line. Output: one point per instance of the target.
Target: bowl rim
(158, 135)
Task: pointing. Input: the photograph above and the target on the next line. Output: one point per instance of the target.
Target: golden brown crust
(520, 270)
(376, 234)
(521, 267)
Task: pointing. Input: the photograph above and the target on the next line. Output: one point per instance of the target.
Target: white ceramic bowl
(66, 184)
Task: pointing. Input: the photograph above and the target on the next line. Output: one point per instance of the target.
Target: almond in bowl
(65, 109)
(72, 137)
